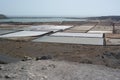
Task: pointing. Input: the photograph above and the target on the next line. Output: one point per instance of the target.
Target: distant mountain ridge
(116, 18)
(2, 16)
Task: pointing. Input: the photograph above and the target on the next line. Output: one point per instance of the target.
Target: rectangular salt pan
(100, 32)
(6, 31)
(71, 40)
(47, 28)
(115, 36)
(112, 41)
(77, 35)
(74, 31)
(102, 28)
(24, 34)
(82, 27)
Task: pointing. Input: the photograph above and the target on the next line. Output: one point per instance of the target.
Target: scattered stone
(117, 55)
(112, 55)
(108, 54)
(1, 67)
(26, 58)
(8, 76)
(38, 58)
(102, 57)
(52, 66)
(43, 78)
(22, 68)
(44, 58)
(86, 61)
(44, 68)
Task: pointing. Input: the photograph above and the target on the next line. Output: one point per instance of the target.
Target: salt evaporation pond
(71, 40)
(112, 41)
(47, 28)
(77, 35)
(100, 32)
(23, 34)
(6, 31)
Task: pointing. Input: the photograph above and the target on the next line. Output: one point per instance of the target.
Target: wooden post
(113, 24)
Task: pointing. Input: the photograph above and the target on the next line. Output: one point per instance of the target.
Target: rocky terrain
(56, 70)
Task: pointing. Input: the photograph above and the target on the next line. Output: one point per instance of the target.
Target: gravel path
(56, 70)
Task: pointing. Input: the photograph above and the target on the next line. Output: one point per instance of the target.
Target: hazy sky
(60, 7)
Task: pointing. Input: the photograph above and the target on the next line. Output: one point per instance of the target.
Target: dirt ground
(56, 70)
(101, 55)
(91, 54)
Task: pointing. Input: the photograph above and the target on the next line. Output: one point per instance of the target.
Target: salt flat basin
(23, 34)
(112, 41)
(6, 31)
(46, 28)
(71, 40)
(100, 32)
(78, 35)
